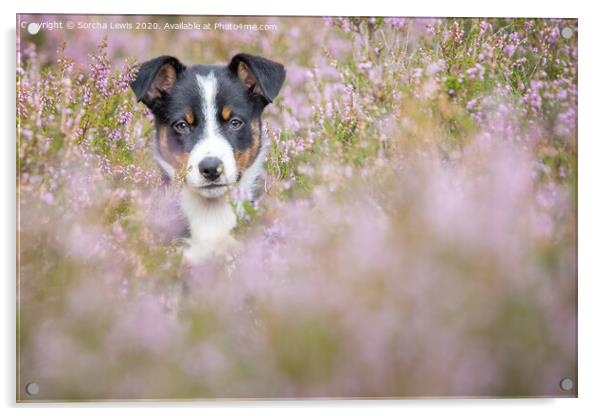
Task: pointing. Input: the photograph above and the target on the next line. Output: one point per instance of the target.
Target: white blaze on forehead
(211, 142)
(208, 90)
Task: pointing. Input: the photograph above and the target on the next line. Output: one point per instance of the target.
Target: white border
(590, 202)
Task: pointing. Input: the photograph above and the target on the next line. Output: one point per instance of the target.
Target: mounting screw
(32, 389)
(566, 384)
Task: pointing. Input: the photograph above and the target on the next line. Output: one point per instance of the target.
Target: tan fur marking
(248, 78)
(189, 117)
(175, 159)
(169, 72)
(164, 80)
(226, 113)
(244, 158)
(243, 71)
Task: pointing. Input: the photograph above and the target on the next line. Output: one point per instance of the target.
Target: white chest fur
(210, 222)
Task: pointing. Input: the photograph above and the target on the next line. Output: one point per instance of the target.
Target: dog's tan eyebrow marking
(189, 117)
(226, 113)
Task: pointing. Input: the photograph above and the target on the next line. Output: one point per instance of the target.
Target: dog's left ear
(260, 75)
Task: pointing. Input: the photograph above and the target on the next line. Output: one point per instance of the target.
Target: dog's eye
(236, 123)
(181, 127)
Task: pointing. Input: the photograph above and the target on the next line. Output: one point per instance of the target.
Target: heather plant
(416, 235)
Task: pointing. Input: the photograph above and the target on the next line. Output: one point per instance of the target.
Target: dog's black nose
(211, 168)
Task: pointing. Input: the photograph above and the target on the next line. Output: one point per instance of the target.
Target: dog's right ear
(155, 79)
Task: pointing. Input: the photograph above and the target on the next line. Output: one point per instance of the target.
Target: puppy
(208, 129)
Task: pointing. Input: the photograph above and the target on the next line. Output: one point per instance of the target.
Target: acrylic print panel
(355, 208)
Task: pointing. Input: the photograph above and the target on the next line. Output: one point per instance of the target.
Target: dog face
(208, 118)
